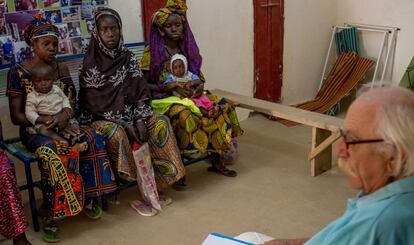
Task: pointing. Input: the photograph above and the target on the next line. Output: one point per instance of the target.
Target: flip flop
(93, 213)
(50, 235)
(224, 171)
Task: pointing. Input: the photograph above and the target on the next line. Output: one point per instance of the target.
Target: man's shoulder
(399, 210)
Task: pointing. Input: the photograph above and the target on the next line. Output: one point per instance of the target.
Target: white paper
(217, 239)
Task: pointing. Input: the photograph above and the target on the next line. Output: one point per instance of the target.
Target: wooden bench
(325, 129)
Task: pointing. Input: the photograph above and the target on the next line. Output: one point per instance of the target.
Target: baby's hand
(46, 120)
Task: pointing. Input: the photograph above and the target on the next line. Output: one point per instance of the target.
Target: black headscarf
(112, 87)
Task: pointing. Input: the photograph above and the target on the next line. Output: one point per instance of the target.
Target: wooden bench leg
(323, 161)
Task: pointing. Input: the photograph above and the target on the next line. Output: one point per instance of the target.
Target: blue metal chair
(16, 148)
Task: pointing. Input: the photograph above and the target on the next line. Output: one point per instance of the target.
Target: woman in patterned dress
(114, 99)
(67, 177)
(195, 133)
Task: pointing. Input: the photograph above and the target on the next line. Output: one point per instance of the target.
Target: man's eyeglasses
(346, 137)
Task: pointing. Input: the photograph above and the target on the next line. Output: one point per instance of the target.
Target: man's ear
(397, 160)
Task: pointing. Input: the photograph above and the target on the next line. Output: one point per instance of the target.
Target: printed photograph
(70, 13)
(6, 50)
(86, 11)
(55, 16)
(74, 29)
(89, 25)
(16, 22)
(76, 2)
(99, 2)
(3, 4)
(77, 45)
(85, 44)
(3, 29)
(65, 47)
(22, 52)
(22, 5)
(65, 3)
(63, 31)
(51, 3)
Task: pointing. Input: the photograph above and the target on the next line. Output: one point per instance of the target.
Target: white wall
(398, 13)
(308, 25)
(131, 14)
(225, 35)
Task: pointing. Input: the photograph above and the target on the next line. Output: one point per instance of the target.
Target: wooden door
(268, 48)
(148, 9)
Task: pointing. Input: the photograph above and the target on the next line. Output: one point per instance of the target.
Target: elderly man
(377, 154)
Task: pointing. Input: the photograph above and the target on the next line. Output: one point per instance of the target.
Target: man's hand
(286, 242)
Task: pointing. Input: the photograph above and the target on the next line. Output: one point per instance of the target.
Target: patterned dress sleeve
(14, 82)
(145, 62)
(68, 88)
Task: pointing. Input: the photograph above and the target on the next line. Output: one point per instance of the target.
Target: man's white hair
(395, 124)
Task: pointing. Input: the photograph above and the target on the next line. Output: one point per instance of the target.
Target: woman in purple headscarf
(195, 133)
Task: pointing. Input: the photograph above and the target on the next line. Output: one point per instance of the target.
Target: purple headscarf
(188, 44)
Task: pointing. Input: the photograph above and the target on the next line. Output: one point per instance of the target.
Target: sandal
(51, 234)
(144, 209)
(180, 185)
(164, 199)
(94, 212)
(223, 170)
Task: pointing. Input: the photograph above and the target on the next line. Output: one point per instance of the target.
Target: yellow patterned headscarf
(177, 5)
(172, 7)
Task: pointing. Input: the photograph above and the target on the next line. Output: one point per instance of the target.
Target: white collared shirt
(45, 104)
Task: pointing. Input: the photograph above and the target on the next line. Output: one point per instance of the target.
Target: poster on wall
(74, 18)
(21, 5)
(17, 21)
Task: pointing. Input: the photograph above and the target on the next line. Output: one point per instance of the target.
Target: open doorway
(268, 49)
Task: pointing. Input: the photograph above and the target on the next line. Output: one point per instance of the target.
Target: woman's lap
(97, 177)
(164, 152)
(205, 135)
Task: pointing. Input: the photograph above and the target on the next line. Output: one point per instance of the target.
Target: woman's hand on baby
(46, 120)
(184, 92)
(71, 130)
(199, 90)
(62, 120)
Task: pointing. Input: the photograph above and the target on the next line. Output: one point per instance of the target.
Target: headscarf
(112, 87)
(188, 43)
(39, 27)
(179, 57)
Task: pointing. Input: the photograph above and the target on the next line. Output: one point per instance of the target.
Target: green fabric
(163, 105)
(407, 80)
(347, 41)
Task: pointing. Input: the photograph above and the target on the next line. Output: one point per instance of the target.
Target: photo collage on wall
(74, 18)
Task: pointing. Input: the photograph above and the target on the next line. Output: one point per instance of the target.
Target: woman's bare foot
(81, 147)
